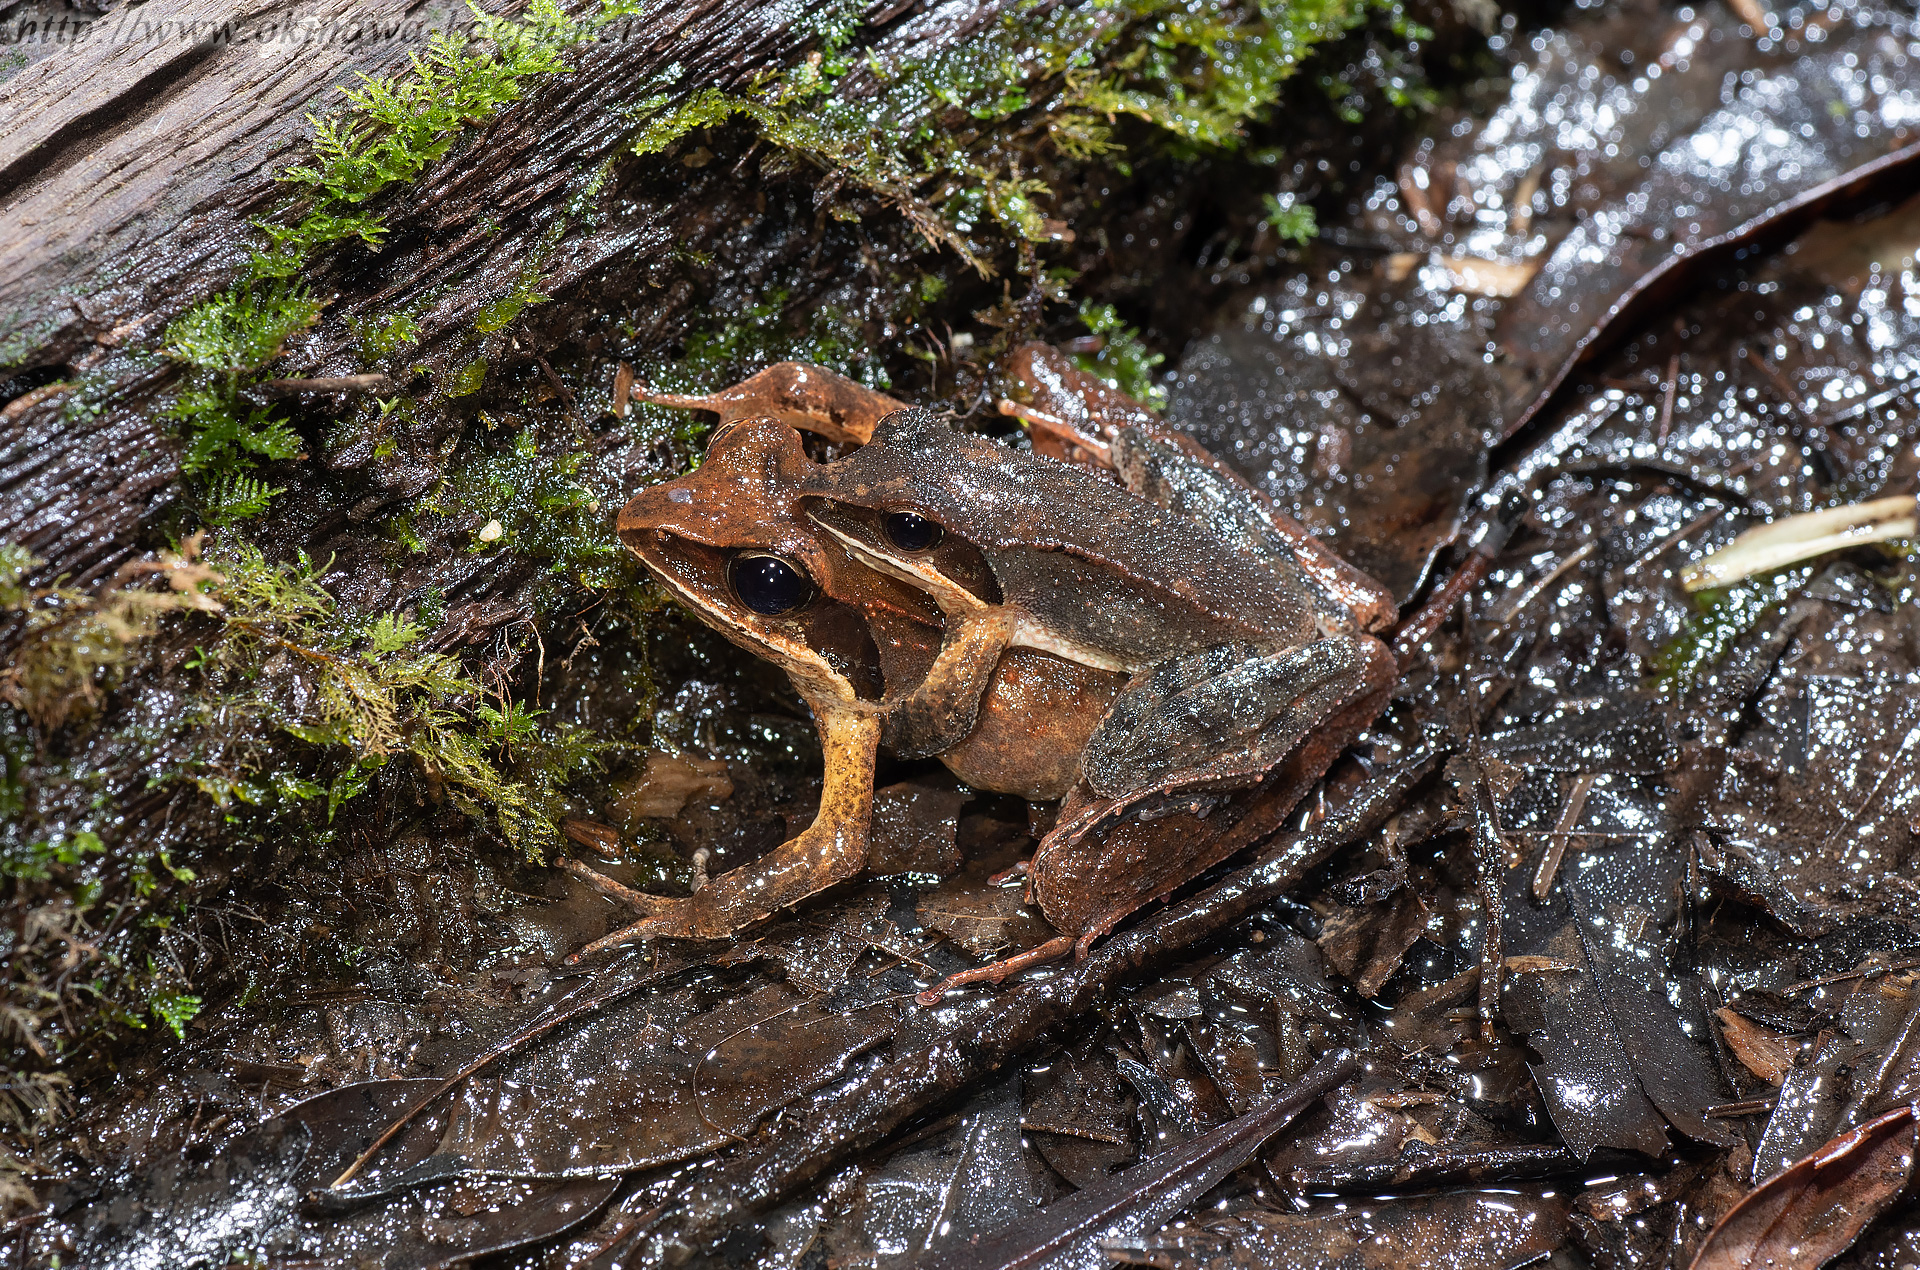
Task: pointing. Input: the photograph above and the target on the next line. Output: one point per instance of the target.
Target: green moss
(392, 129)
(240, 330)
(1721, 617)
(542, 509)
(371, 696)
(223, 434)
(526, 291)
(1290, 220)
(173, 1008)
(1122, 361)
(37, 861)
(388, 335)
(222, 341)
(71, 644)
(467, 380)
(933, 142)
(289, 247)
(397, 125)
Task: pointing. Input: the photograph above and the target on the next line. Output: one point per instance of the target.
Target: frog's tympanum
(1114, 619)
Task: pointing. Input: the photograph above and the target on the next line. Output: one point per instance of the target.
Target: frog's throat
(959, 604)
(812, 673)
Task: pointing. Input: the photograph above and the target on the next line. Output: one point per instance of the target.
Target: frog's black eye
(769, 585)
(911, 532)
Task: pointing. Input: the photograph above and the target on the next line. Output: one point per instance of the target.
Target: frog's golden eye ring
(910, 531)
(768, 584)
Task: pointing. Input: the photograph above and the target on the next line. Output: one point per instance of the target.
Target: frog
(865, 652)
(1121, 622)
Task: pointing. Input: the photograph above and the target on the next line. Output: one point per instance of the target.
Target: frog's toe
(998, 971)
(671, 919)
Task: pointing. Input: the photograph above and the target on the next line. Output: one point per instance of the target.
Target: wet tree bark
(133, 160)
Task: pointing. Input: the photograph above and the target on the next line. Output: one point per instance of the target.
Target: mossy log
(131, 170)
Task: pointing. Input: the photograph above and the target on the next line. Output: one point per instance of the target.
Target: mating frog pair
(1113, 619)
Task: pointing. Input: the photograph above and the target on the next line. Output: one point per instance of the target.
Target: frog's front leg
(943, 708)
(832, 849)
(810, 398)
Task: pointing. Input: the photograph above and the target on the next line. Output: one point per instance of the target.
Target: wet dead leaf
(1761, 1050)
(1468, 1231)
(1812, 1212)
(668, 782)
(985, 920)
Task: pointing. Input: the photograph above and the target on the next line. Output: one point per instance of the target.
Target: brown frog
(867, 652)
(1133, 628)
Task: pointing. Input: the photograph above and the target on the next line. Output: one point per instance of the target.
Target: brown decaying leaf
(670, 781)
(1812, 1212)
(1761, 1050)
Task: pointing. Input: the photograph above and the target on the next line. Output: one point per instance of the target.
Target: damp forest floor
(325, 676)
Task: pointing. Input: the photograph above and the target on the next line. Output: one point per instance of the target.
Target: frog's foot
(1053, 435)
(1009, 874)
(671, 919)
(1054, 386)
(831, 849)
(997, 972)
(810, 398)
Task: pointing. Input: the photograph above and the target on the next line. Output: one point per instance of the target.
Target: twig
(1534, 592)
(1666, 400)
(565, 394)
(1139, 1200)
(1543, 877)
(375, 382)
(1745, 1107)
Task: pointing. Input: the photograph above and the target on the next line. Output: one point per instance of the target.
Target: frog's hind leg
(1087, 890)
(810, 398)
(1225, 716)
(1101, 863)
(1086, 893)
(832, 849)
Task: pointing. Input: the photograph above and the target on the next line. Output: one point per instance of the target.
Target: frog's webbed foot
(671, 919)
(810, 398)
(832, 849)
